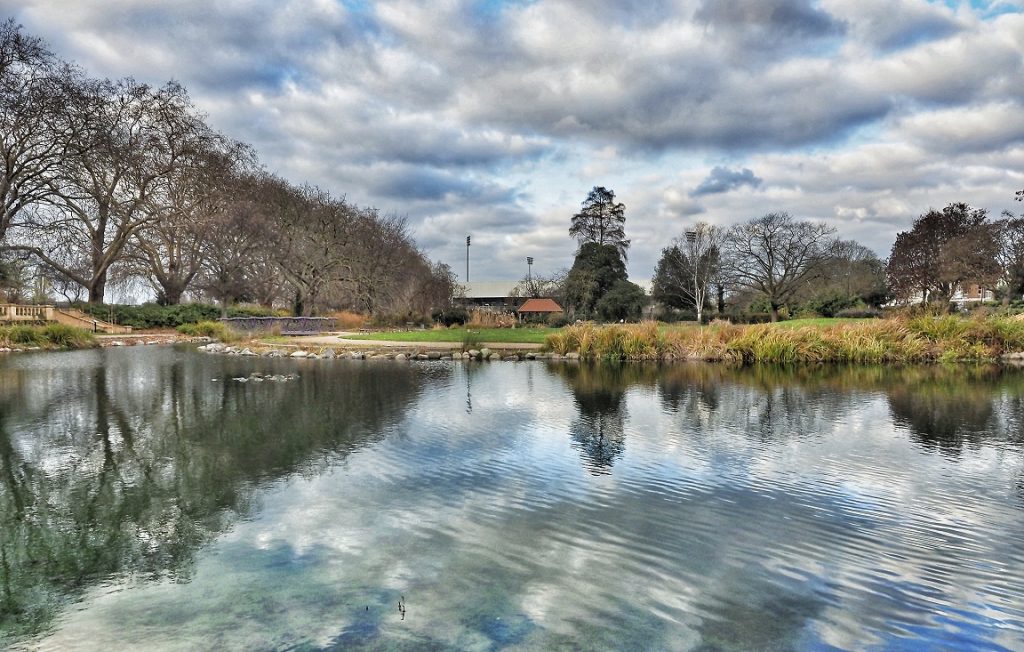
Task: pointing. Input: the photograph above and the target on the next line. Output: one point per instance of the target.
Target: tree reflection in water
(942, 408)
(599, 392)
(124, 463)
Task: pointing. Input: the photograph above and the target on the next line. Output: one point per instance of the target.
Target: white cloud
(497, 120)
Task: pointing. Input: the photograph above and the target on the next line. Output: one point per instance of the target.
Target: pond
(164, 499)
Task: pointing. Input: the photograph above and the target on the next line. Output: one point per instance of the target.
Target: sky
(495, 118)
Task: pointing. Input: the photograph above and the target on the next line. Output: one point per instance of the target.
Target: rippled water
(149, 500)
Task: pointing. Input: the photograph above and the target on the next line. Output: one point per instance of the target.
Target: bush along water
(51, 336)
(921, 339)
(213, 329)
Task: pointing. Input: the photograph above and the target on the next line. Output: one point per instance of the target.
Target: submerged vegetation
(51, 336)
(920, 339)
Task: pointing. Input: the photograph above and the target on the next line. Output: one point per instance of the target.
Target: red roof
(540, 305)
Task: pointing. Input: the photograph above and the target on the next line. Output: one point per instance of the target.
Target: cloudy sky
(494, 118)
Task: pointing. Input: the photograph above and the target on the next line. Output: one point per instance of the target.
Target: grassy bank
(51, 336)
(922, 339)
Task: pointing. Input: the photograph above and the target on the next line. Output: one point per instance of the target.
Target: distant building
(963, 295)
(491, 295)
(534, 307)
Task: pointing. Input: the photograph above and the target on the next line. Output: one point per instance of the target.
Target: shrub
(25, 336)
(348, 320)
(558, 320)
(624, 301)
(861, 312)
(450, 316)
(212, 329)
(49, 336)
(68, 337)
(152, 315)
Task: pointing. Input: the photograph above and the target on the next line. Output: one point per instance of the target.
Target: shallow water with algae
(161, 499)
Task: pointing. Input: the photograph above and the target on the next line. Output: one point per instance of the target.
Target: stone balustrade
(12, 312)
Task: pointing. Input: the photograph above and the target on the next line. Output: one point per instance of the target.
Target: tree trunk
(721, 299)
(97, 288)
(172, 293)
(775, 313)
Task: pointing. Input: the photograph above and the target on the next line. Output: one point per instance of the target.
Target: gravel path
(337, 339)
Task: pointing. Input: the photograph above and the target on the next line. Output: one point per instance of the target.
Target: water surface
(149, 499)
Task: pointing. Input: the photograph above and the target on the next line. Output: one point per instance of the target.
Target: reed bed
(898, 340)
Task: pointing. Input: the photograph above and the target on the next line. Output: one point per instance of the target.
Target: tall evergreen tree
(601, 220)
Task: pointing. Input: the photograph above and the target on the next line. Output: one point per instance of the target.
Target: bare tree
(235, 245)
(129, 147)
(688, 267)
(541, 285)
(381, 261)
(776, 255)
(35, 127)
(943, 250)
(314, 234)
(169, 251)
(1011, 255)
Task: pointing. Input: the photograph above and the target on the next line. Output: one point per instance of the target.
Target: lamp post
(529, 274)
(467, 259)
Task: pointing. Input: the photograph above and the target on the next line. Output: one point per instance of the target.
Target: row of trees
(776, 261)
(117, 181)
(773, 260)
(954, 247)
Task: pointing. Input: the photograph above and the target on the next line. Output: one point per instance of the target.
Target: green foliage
(152, 315)
(601, 221)
(68, 337)
(450, 316)
(558, 320)
(830, 304)
(624, 301)
(25, 335)
(212, 329)
(859, 312)
(595, 271)
(51, 336)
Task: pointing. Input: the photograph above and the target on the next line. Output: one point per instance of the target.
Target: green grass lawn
(819, 321)
(503, 335)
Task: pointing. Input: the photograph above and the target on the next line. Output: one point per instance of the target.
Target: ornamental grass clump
(897, 341)
(24, 336)
(643, 341)
(566, 340)
(68, 337)
(51, 336)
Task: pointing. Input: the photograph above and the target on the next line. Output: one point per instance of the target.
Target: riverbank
(24, 337)
(892, 341)
(898, 340)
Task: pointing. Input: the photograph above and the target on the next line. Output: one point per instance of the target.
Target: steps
(78, 319)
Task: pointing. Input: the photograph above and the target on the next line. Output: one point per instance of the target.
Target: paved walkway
(339, 339)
